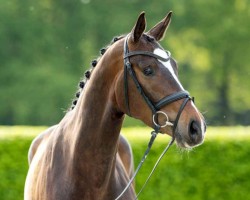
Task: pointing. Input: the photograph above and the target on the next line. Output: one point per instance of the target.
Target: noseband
(155, 107)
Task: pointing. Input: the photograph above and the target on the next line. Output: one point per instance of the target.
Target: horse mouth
(187, 143)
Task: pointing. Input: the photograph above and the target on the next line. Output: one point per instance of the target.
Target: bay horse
(84, 156)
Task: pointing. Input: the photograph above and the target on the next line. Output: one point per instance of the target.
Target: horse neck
(95, 119)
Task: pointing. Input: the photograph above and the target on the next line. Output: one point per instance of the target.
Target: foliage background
(219, 169)
(47, 45)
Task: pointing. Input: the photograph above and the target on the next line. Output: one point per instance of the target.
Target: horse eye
(148, 71)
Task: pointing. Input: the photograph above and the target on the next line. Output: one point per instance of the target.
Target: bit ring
(168, 123)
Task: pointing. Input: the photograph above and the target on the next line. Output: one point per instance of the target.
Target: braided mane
(87, 74)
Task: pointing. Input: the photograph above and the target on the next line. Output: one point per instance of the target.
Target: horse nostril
(194, 131)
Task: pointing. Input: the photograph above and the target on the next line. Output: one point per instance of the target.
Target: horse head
(148, 87)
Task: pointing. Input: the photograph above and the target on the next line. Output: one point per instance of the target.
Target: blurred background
(47, 45)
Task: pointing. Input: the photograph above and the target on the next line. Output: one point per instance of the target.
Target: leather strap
(140, 89)
(179, 113)
(146, 53)
(126, 64)
(172, 98)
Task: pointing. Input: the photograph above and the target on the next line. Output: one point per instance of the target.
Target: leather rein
(155, 108)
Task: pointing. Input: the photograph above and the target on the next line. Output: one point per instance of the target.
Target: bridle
(155, 107)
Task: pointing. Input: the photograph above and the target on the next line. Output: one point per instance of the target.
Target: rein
(155, 108)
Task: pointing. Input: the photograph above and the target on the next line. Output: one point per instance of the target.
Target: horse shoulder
(126, 155)
(37, 141)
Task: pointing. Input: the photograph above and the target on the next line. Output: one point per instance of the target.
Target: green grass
(217, 170)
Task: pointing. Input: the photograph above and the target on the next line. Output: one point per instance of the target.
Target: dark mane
(87, 73)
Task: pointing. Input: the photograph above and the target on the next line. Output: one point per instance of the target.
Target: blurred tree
(212, 46)
(47, 45)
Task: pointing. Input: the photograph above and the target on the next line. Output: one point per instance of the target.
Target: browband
(146, 53)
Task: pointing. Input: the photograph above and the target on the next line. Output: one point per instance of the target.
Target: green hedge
(13, 167)
(219, 169)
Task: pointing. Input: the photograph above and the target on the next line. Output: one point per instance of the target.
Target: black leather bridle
(128, 69)
(155, 108)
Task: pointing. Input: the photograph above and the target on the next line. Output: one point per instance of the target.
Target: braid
(87, 74)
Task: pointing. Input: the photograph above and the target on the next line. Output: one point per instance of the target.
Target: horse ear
(158, 31)
(139, 28)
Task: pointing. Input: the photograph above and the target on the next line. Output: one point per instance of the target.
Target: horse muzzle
(188, 130)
